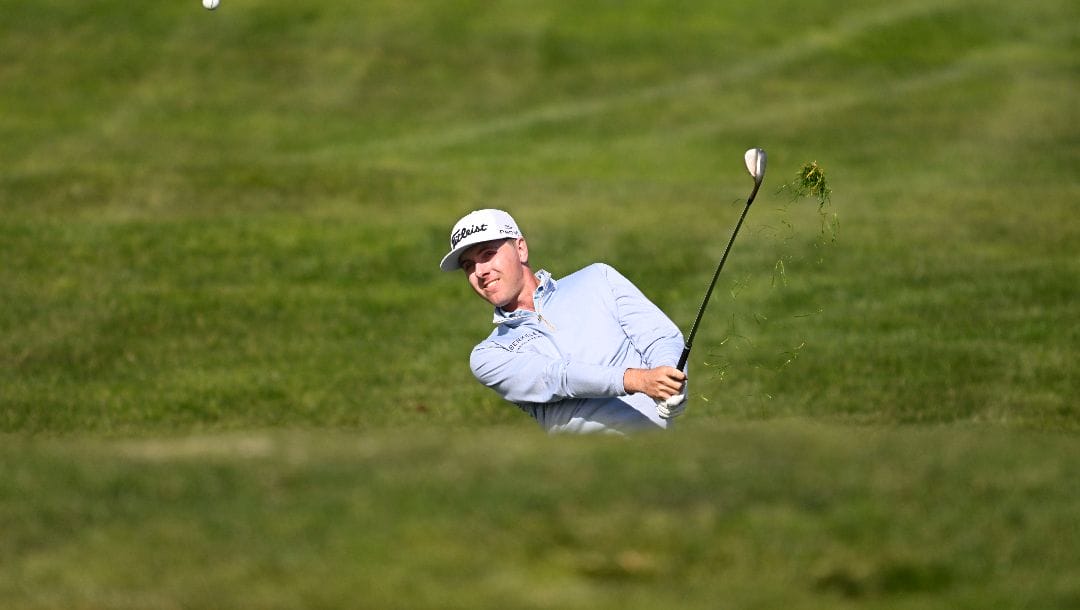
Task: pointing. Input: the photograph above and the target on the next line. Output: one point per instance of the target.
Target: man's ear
(523, 251)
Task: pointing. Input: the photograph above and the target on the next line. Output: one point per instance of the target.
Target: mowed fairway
(232, 375)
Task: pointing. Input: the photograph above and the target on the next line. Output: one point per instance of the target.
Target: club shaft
(689, 343)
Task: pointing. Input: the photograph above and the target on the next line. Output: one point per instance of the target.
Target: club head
(755, 163)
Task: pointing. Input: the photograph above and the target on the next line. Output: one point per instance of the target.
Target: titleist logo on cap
(464, 232)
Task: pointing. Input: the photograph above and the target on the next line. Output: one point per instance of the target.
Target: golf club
(755, 164)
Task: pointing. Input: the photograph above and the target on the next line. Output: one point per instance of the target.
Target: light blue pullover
(563, 364)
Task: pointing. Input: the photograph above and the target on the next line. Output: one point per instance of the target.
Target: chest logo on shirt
(523, 340)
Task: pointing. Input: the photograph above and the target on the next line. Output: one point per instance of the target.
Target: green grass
(231, 373)
(762, 515)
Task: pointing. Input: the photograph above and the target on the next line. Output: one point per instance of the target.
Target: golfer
(587, 353)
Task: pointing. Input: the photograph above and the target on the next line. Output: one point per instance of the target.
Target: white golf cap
(478, 227)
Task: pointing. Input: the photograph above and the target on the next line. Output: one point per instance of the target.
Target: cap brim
(450, 262)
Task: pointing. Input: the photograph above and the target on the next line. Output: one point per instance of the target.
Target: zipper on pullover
(540, 316)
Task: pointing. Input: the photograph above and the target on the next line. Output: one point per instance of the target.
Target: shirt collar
(543, 291)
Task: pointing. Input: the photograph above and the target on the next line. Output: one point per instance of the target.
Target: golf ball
(211, 4)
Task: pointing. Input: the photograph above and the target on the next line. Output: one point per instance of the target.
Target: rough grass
(787, 513)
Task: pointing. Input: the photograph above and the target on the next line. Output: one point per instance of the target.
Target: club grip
(683, 358)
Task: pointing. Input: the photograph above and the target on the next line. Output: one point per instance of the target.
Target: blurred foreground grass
(786, 514)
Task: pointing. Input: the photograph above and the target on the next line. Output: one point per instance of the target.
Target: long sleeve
(652, 333)
(522, 376)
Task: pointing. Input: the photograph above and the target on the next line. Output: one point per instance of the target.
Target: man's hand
(664, 384)
(659, 383)
(672, 407)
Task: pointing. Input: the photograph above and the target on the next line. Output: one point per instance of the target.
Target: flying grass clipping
(810, 182)
(768, 333)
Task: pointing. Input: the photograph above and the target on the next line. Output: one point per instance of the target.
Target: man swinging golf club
(587, 353)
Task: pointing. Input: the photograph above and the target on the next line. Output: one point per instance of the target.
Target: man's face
(496, 270)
